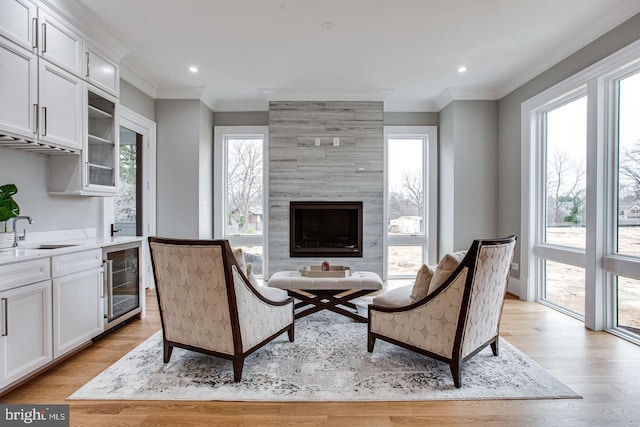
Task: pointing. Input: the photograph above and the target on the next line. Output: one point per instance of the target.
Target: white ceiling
(403, 52)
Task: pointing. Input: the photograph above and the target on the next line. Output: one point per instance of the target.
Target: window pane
(126, 202)
(404, 260)
(406, 182)
(566, 148)
(564, 285)
(253, 255)
(244, 186)
(628, 294)
(628, 241)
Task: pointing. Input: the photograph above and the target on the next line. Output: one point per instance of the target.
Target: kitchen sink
(51, 246)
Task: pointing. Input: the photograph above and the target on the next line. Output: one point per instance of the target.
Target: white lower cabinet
(78, 304)
(77, 310)
(25, 341)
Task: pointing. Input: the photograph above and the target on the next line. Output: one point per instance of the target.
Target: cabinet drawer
(23, 273)
(78, 261)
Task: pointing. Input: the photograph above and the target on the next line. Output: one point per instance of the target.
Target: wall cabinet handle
(35, 118)
(87, 55)
(44, 120)
(44, 37)
(5, 317)
(34, 33)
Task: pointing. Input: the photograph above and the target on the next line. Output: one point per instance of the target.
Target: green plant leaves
(8, 207)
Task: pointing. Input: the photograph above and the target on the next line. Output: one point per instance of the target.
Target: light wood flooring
(602, 368)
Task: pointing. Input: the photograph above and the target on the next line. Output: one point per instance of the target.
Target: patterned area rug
(327, 362)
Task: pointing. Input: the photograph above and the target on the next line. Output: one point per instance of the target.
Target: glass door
(123, 282)
(128, 203)
(102, 142)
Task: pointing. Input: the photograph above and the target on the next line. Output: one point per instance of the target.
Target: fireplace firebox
(325, 229)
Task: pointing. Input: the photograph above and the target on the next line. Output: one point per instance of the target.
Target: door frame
(147, 128)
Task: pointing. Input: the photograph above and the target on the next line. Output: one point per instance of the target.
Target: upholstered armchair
(458, 318)
(207, 303)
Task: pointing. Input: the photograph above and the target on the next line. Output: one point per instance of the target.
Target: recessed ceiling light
(462, 69)
(193, 69)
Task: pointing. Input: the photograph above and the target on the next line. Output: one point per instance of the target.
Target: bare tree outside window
(126, 201)
(565, 189)
(244, 197)
(630, 172)
(565, 183)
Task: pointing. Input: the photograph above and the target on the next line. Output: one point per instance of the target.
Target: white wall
(206, 173)
(29, 171)
(468, 178)
(133, 98)
(184, 168)
(178, 146)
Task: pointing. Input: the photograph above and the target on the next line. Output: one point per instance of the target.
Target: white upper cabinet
(19, 89)
(100, 71)
(46, 66)
(59, 44)
(18, 22)
(95, 171)
(60, 110)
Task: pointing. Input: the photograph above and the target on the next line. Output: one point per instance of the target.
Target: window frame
(221, 135)
(428, 239)
(600, 263)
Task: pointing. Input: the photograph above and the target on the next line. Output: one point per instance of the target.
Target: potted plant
(8, 209)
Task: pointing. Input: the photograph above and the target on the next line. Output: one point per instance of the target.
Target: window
(563, 148)
(565, 145)
(581, 195)
(410, 199)
(624, 248)
(240, 190)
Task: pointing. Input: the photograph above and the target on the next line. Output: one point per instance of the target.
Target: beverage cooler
(122, 290)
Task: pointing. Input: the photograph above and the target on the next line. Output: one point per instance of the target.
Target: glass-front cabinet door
(101, 150)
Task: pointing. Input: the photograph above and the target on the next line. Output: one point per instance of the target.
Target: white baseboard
(515, 287)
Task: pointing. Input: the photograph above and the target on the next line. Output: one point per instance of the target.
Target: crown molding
(138, 80)
(181, 92)
(619, 12)
(188, 92)
(208, 98)
(240, 106)
(424, 106)
(322, 95)
(91, 27)
(463, 94)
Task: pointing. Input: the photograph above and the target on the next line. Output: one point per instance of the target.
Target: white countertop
(32, 251)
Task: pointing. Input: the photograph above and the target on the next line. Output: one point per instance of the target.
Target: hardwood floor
(597, 365)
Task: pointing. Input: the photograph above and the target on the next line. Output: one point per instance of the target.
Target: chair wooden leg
(167, 351)
(495, 348)
(291, 333)
(371, 341)
(238, 363)
(455, 372)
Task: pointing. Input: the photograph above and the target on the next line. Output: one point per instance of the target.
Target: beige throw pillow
(446, 266)
(421, 285)
(239, 254)
(247, 269)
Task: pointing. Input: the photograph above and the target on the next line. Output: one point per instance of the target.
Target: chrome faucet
(15, 231)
